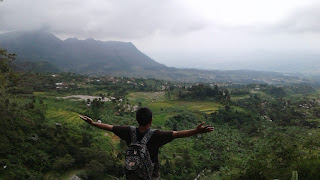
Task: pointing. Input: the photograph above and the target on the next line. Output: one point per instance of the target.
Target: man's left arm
(187, 133)
(87, 119)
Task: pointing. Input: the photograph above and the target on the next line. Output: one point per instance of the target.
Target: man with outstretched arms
(155, 141)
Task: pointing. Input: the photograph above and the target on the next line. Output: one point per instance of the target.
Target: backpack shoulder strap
(133, 134)
(147, 136)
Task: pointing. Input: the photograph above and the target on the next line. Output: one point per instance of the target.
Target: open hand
(86, 119)
(204, 129)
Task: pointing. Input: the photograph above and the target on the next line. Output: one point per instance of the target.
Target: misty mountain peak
(72, 54)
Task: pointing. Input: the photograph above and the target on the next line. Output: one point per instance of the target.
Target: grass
(237, 108)
(202, 106)
(145, 97)
(39, 93)
(160, 119)
(316, 120)
(97, 93)
(67, 175)
(235, 98)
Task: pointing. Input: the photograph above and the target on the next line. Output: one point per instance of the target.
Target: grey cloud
(101, 19)
(302, 20)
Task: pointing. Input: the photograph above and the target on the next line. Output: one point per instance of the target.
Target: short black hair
(144, 116)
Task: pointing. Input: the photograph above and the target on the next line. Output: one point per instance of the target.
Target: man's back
(158, 139)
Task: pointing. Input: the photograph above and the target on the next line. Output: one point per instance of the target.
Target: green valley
(262, 131)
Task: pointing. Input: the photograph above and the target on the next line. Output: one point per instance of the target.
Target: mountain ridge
(40, 45)
(116, 58)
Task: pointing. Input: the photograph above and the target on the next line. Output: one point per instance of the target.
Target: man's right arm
(96, 124)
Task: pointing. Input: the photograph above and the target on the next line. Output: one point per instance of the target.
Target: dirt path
(85, 97)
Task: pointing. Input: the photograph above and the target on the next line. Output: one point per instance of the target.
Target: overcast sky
(178, 32)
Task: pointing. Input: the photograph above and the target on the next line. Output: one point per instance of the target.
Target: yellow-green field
(156, 100)
(202, 106)
(145, 96)
(63, 115)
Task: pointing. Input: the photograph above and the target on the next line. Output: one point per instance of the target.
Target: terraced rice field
(61, 115)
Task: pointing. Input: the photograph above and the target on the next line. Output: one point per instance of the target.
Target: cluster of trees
(266, 138)
(8, 77)
(240, 91)
(204, 92)
(282, 111)
(121, 86)
(72, 83)
(243, 146)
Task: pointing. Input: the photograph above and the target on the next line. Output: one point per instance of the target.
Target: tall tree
(7, 75)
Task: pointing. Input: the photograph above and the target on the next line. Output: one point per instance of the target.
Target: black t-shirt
(158, 139)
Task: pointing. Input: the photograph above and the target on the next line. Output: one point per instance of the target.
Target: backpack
(137, 159)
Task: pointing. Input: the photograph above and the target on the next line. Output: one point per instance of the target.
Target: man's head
(144, 116)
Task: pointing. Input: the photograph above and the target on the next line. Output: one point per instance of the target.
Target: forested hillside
(262, 131)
